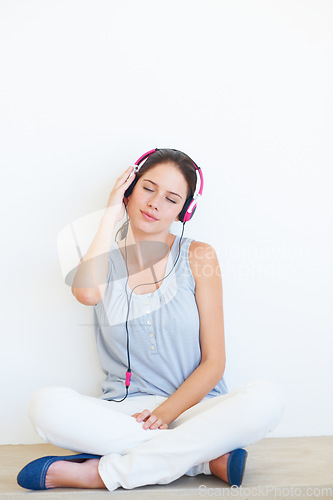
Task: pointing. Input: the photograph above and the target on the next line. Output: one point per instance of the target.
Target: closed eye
(172, 201)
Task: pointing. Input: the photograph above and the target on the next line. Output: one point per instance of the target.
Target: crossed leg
(132, 456)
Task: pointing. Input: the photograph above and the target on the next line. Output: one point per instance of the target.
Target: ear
(125, 200)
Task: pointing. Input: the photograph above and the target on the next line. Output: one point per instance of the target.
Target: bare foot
(70, 474)
(218, 467)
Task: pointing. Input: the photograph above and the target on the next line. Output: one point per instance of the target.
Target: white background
(244, 88)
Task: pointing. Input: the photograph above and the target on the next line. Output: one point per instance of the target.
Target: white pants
(133, 456)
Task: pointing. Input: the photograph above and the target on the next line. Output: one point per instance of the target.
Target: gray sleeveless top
(163, 330)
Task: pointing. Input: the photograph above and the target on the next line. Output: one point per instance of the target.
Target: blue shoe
(236, 466)
(33, 475)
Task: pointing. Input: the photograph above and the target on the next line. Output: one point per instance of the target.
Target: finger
(151, 421)
(135, 415)
(163, 426)
(124, 184)
(124, 177)
(130, 177)
(144, 414)
(127, 172)
(156, 424)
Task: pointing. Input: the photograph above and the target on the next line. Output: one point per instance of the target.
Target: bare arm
(90, 279)
(211, 368)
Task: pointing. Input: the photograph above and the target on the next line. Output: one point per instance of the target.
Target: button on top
(152, 347)
(149, 322)
(148, 311)
(150, 335)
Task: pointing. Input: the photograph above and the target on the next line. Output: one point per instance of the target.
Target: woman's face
(160, 192)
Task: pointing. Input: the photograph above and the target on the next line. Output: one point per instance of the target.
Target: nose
(153, 202)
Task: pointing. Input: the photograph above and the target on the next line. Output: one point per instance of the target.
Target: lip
(147, 216)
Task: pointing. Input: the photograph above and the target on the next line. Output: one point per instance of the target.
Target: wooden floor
(276, 468)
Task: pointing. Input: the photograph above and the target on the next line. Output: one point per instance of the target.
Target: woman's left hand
(152, 420)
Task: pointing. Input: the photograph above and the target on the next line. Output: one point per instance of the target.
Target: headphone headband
(144, 157)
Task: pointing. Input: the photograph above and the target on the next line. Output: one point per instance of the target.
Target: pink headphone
(190, 204)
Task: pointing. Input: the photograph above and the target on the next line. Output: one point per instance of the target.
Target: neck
(134, 236)
(143, 256)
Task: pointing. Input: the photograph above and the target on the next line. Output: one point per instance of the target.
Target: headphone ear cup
(130, 188)
(182, 214)
(189, 216)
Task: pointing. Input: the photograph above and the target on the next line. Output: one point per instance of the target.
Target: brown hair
(179, 159)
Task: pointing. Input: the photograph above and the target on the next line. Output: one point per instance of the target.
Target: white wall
(245, 88)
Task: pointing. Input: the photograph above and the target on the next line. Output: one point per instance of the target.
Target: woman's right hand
(115, 203)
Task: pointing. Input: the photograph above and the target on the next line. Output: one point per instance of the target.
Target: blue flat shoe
(236, 466)
(33, 475)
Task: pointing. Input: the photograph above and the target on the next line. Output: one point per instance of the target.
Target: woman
(165, 409)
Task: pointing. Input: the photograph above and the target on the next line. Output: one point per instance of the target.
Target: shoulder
(202, 257)
(199, 248)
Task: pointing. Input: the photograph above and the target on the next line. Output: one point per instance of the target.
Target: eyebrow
(167, 191)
